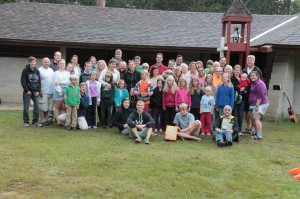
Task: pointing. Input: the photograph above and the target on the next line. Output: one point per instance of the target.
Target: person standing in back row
(31, 83)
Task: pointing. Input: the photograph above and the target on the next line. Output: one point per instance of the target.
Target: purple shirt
(93, 89)
(258, 91)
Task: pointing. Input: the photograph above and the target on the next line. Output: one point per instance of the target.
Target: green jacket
(73, 95)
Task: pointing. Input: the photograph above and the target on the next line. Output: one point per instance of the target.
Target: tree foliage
(270, 7)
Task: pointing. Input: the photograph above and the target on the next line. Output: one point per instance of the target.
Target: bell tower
(236, 28)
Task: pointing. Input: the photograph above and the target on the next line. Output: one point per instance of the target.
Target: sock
(259, 135)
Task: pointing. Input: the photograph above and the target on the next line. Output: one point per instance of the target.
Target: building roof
(238, 9)
(72, 25)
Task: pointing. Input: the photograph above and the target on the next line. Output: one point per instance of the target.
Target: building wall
(296, 98)
(10, 87)
(286, 74)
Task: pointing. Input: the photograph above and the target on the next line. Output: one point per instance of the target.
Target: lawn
(54, 163)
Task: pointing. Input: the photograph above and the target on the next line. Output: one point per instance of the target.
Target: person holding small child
(72, 101)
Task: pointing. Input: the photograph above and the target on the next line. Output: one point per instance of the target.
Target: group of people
(141, 100)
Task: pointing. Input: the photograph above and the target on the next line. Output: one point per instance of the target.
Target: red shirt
(161, 68)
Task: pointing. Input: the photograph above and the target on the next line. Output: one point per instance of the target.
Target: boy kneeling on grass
(225, 126)
(72, 101)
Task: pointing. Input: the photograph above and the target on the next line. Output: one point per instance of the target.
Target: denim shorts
(262, 109)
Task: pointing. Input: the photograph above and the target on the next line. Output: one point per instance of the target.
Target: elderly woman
(226, 126)
(112, 70)
(258, 101)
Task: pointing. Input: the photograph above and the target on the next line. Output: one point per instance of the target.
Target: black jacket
(31, 79)
(156, 98)
(121, 116)
(254, 69)
(235, 127)
(131, 79)
(144, 118)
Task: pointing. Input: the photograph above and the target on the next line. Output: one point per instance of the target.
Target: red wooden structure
(236, 28)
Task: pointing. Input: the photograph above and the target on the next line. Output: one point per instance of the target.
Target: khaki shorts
(46, 102)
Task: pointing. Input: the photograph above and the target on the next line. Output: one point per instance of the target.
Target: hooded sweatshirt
(143, 118)
(31, 79)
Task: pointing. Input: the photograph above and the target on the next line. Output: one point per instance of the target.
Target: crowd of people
(141, 100)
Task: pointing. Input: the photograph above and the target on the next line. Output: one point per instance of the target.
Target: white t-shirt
(63, 77)
(115, 74)
(46, 80)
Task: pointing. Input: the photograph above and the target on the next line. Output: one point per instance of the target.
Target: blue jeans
(220, 136)
(238, 113)
(35, 111)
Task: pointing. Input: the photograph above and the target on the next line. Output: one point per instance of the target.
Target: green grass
(55, 163)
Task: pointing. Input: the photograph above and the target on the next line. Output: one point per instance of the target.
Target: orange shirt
(217, 80)
(144, 89)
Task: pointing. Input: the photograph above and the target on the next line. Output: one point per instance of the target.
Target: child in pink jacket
(182, 94)
(168, 98)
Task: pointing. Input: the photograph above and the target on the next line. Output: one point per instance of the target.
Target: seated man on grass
(187, 126)
(140, 124)
(225, 126)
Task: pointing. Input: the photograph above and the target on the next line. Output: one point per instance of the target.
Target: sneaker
(155, 131)
(221, 144)
(94, 127)
(253, 135)
(68, 128)
(26, 124)
(240, 134)
(60, 125)
(89, 127)
(202, 133)
(47, 123)
(208, 134)
(229, 142)
(147, 141)
(138, 140)
(248, 131)
(36, 124)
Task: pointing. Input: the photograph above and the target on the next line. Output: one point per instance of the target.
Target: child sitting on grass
(72, 101)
